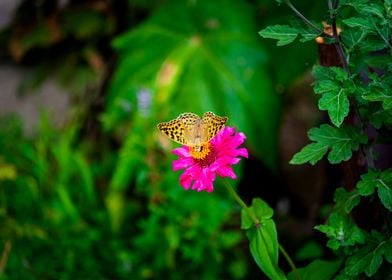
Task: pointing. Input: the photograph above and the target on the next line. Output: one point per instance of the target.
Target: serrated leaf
(326, 86)
(321, 73)
(368, 183)
(353, 37)
(380, 117)
(311, 153)
(283, 33)
(332, 86)
(346, 201)
(359, 22)
(308, 33)
(388, 250)
(378, 91)
(368, 259)
(337, 104)
(341, 231)
(382, 181)
(370, 9)
(385, 193)
(340, 141)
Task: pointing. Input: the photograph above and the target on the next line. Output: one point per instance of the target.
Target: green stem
(290, 261)
(308, 22)
(241, 202)
(256, 221)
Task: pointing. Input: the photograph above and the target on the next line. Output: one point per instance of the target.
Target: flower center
(204, 154)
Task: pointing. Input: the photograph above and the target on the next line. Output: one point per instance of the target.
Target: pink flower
(215, 157)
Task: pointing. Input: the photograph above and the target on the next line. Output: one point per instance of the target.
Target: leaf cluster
(357, 99)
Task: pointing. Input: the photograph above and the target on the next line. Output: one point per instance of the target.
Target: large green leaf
(341, 142)
(190, 56)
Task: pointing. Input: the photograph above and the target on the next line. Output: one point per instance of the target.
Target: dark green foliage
(357, 98)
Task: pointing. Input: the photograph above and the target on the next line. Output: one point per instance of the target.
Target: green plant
(356, 94)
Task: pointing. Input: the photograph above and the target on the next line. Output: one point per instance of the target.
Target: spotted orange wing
(214, 123)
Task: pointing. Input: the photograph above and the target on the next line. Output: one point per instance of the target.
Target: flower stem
(289, 261)
(241, 202)
(256, 221)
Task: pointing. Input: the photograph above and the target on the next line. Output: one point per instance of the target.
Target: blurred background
(87, 189)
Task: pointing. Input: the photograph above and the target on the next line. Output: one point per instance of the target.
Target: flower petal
(182, 152)
(182, 163)
(226, 171)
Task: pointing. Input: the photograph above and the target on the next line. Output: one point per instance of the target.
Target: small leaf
(283, 33)
(346, 201)
(311, 153)
(333, 85)
(385, 189)
(380, 180)
(337, 105)
(261, 209)
(368, 183)
(341, 231)
(388, 250)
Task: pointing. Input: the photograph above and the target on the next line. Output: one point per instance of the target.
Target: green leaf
(263, 239)
(368, 259)
(283, 33)
(326, 86)
(340, 141)
(385, 189)
(333, 87)
(359, 22)
(318, 269)
(382, 181)
(337, 104)
(388, 250)
(368, 183)
(262, 246)
(311, 153)
(321, 73)
(261, 209)
(341, 231)
(380, 117)
(370, 9)
(346, 201)
(378, 91)
(353, 38)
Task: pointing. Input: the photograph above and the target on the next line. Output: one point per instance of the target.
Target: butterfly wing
(174, 129)
(214, 124)
(195, 132)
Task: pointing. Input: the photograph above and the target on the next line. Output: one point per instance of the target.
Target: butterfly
(191, 130)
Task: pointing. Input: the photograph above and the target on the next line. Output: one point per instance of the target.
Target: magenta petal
(186, 180)
(182, 163)
(181, 152)
(226, 171)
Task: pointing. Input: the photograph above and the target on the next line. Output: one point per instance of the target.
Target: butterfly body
(191, 130)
